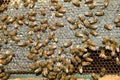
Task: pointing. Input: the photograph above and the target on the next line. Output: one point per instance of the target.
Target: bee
(91, 43)
(40, 51)
(76, 3)
(42, 11)
(58, 14)
(43, 21)
(34, 51)
(86, 55)
(32, 4)
(7, 75)
(36, 28)
(88, 1)
(73, 27)
(117, 48)
(106, 3)
(44, 27)
(71, 68)
(60, 50)
(80, 68)
(93, 21)
(116, 20)
(52, 27)
(105, 39)
(20, 22)
(112, 40)
(33, 66)
(13, 32)
(71, 21)
(15, 24)
(54, 1)
(52, 47)
(82, 49)
(59, 24)
(74, 50)
(8, 59)
(89, 59)
(103, 71)
(21, 44)
(14, 38)
(32, 13)
(85, 32)
(5, 32)
(38, 70)
(4, 17)
(81, 17)
(45, 42)
(84, 39)
(20, 17)
(79, 35)
(118, 24)
(93, 48)
(3, 56)
(50, 52)
(79, 25)
(99, 13)
(16, 5)
(88, 14)
(2, 74)
(73, 77)
(94, 27)
(102, 53)
(94, 76)
(117, 61)
(62, 10)
(67, 0)
(107, 26)
(86, 23)
(78, 59)
(50, 67)
(25, 21)
(92, 6)
(11, 20)
(67, 44)
(33, 24)
(93, 32)
(31, 18)
(26, 3)
(52, 75)
(58, 6)
(45, 72)
(38, 46)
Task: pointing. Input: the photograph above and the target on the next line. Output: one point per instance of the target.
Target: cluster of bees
(58, 67)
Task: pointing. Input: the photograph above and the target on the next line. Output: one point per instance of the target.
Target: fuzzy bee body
(76, 3)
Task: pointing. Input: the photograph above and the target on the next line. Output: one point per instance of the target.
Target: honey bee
(78, 59)
(5, 32)
(88, 14)
(4, 17)
(58, 6)
(52, 75)
(50, 67)
(42, 11)
(85, 32)
(105, 39)
(94, 27)
(52, 27)
(79, 35)
(15, 25)
(62, 10)
(79, 25)
(93, 21)
(107, 26)
(25, 21)
(106, 3)
(84, 39)
(67, 0)
(81, 17)
(86, 23)
(91, 43)
(74, 50)
(73, 77)
(103, 71)
(67, 44)
(92, 6)
(82, 49)
(89, 59)
(71, 21)
(80, 68)
(32, 4)
(54, 1)
(93, 48)
(94, 76)
(38, 70)
(16, 5)
(8, 59)
(36, 28)
(116, 20)
(117, 48)
(99, 13)
(21, 44)
(45, 42)
(118, 24)
(7, 75)
(59, 24)
(2, 74)
(112, 40)
(33, 50)
(60, 50)
(13, 32)
(44, 27)
(88, 1)
(26, 3)
(52, 47)
(58, 14)
(73, 27)
(3, 56)
(31, 18)
(14, 38)
(43, 21)
(33, 66)
(40, 51)
(32, 13)
(86, 55)
(117, 61)
(93, 32)
(45, 72)
(76, 3)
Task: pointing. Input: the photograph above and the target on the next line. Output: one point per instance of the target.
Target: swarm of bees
(61, 67)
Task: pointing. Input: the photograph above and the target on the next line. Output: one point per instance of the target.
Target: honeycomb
(57, 33)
